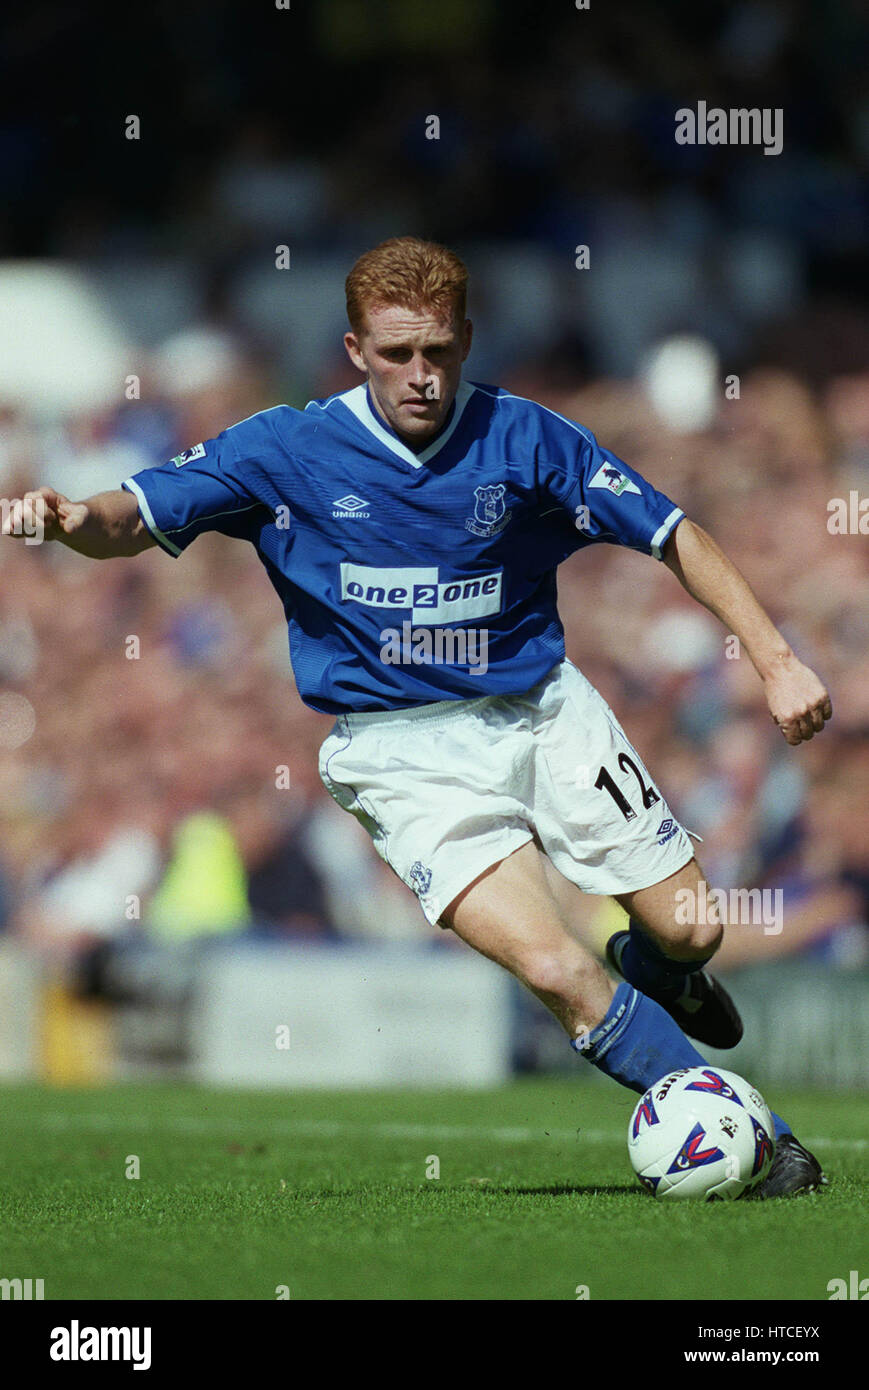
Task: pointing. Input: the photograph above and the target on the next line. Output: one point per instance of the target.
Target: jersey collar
(356, 401)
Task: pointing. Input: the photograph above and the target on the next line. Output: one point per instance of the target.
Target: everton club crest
(490, 514)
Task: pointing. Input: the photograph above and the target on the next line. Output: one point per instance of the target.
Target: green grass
(327, 1193)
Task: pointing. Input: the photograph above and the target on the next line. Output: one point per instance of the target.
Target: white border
(356, 401)
(147, 516)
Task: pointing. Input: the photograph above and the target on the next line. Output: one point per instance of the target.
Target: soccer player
(412, 527)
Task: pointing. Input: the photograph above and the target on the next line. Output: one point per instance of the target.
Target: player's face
(414, 365)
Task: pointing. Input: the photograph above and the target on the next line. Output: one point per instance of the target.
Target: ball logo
(700, 1136)
(715, 1085)
(691, 1155)
(645, 1111)
(762, 1147)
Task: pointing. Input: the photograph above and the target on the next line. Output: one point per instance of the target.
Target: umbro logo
(666, 830)
(351, 505)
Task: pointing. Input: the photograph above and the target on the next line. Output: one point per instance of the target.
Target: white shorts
(448, 789)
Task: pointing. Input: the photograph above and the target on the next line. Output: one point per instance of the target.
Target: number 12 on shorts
(605, 783)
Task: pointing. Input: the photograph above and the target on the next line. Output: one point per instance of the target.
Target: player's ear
(468, 334)
(351, 343)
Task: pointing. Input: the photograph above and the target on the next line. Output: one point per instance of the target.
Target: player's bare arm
(103, 526)
(797, 699)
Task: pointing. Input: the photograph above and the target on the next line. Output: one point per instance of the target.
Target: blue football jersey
(409, 577)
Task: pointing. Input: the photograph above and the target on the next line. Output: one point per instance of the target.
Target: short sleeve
(606, 499)
(202, 489)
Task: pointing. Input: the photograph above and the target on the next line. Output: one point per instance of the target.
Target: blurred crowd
(511, 124)
(158, 770)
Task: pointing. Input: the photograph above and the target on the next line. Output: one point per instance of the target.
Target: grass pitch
(327, 1195)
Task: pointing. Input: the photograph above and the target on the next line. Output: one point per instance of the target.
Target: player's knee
(696, 940)
(543, 971)
(559, 975)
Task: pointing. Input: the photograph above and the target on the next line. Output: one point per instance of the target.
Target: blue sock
(637, 1042)
(647, 968)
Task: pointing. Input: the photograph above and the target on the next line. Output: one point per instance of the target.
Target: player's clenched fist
(798, 701)
(43, 514)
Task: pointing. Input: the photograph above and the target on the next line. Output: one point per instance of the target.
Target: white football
(701, 1133)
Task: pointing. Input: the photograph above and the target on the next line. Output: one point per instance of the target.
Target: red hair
(405, 270)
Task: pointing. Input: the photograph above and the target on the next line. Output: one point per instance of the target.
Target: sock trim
(613, 1023)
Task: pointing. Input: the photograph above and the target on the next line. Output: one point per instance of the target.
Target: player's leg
(510, 915)
(669, 945)
(515, 915)
(673, 933)
(666, 944)
(679, 915)
(611, 826)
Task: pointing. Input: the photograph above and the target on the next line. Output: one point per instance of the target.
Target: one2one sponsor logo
(421, 590)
